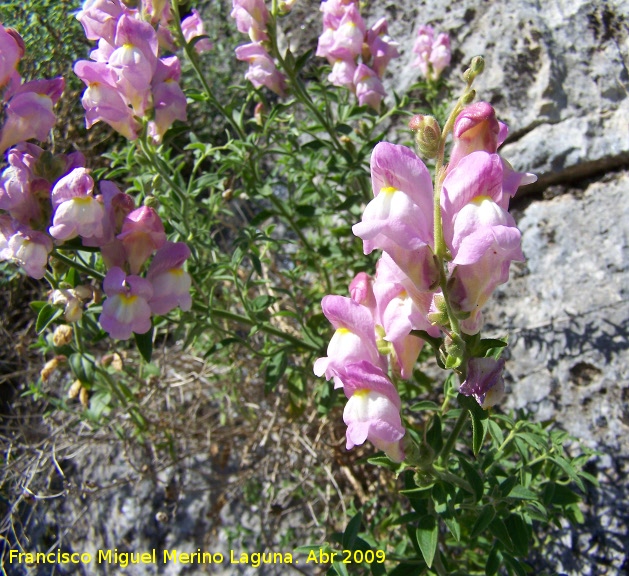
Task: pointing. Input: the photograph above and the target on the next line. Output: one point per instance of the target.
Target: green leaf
(351, 532)
(144, 343)
(340, 569)
(275, 370)
(82, 367)
(484, 519)
(433, 434)
(424, 405)
(522, 493)
(474, 478)
(499, 530)
(404, 569)
(496, 433)
(47, 315)
(518, 531)
(427, 538)
(479, 421)
(453, 525)
(494, 559)
(569, 470)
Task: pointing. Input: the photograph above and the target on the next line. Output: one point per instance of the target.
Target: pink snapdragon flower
(369, 88)
(100, 17)
(251, 18)
(345, 40)
(18, 185)
(29, 111)
(26, 247)
(373, 411)
(192, 27)
(433, 54)
(169, 101)
(262, 70)
(126, 309)
(77, 211)
(401, 214)
(354, 340)
(484, 381)
(11, 52)
(381, 48)
(142, 233)
(171, 283)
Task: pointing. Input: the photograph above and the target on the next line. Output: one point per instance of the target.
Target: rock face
(556, 72)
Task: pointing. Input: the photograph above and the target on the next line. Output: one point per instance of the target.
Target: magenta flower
(192, 27)
(171, 284)
(373, 410)
(77, 212)
(484, 381)
(142, 233)
(18, 184)
(342, 74)
(169, 101)
(381, 47)
(262, 70)
(401, 213)
(344, 42)
(126, 309)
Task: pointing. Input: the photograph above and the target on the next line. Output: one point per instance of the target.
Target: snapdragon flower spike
(433, 54)
(77, 211)
(142, 233)
(169, 101)
(171, 283)
(401, 214)
(126, 309)
(354, 339)
(373, 410)
(192, 27)
(484, 381)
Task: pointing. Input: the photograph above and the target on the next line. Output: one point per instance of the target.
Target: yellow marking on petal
(388, 190)
(128, 299)
(176, 271)
(478, 200)
(82, 199)
(362, 392)
(343, 331)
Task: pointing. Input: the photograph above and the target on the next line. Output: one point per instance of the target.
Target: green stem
(454, 435)
(194, 61)
(233, 317)
(77, 266)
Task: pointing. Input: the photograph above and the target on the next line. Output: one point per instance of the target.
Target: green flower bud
(427, 135)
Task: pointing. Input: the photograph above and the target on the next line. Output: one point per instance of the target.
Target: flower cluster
(252, 17)
(127, 82)
(433, 54)
(51, 199)
(375, 326)
(27, 105)
(345, 38)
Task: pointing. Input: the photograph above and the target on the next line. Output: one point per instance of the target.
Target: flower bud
(62, 335)
(151, 202)
(469, 97)
(438, 313)
(427, 135)
(84, 397)
(75, 389)
(48, 369)
(454, 351)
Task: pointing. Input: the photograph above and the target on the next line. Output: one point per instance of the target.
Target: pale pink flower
(262, 70)
(369, 88)
(126, 309)
(171, 283)
(142, 233)
(192, 27)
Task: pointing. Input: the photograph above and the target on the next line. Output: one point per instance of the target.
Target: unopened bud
(438, 314)
(48, 369)
(62, 335)
(477, 65)
(75, 389)
(454, 351)
(469, 97)
(84, 397)
(285, 6)
(258, 113)
(151, 202)
(427, 135)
